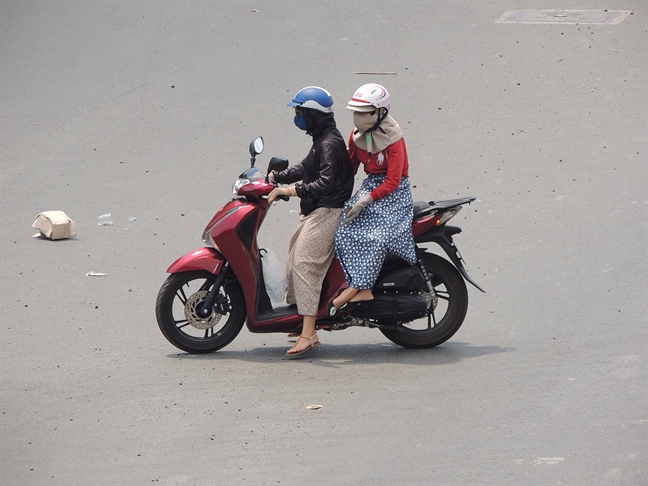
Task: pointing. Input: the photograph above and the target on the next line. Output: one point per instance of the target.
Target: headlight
(208, 240)
(238, 183)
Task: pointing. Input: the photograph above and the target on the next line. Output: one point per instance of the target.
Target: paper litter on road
(55, 225)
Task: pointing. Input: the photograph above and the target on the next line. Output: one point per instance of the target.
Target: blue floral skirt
(381, 232)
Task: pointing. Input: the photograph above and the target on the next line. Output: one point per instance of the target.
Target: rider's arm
(291, 174)
(397, 168)
(329, 153)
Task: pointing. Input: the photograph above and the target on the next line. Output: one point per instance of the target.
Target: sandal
(312, 345)
(351, 305)
(347, 306)
(331, 310)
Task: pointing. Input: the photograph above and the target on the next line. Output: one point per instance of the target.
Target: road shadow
(336, 355)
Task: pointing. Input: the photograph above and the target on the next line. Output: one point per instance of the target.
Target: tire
(176, 311)
(446, 314)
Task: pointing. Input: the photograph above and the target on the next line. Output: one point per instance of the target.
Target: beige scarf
(387, 133)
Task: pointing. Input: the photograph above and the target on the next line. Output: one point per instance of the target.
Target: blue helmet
(315, 98)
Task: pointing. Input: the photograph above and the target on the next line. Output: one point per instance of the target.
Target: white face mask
(364, 123)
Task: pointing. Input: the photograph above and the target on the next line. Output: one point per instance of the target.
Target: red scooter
(212, 291)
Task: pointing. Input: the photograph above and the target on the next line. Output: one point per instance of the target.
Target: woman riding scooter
(377, 221)
(327, 183)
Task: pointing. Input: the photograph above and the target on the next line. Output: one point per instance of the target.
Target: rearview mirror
(256, 146)
(278, 164)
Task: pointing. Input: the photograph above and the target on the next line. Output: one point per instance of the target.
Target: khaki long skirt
(311, 252)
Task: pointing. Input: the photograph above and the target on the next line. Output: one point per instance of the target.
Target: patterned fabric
(309, 258)
(382, 231)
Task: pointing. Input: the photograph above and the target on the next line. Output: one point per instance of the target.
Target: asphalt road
(145, 110)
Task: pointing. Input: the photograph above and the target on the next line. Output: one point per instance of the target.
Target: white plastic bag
(274, 277)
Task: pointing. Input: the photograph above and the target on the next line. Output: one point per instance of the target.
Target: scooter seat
(421, 208)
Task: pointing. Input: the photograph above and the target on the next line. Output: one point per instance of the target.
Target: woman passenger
(377, 221)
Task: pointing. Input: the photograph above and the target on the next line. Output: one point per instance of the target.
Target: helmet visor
(363, 108)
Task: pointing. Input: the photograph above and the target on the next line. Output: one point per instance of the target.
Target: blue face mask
(300, 122)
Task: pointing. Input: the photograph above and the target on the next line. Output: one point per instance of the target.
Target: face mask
(364, 123)
(300, 122)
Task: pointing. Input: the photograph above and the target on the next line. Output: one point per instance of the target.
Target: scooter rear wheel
(178, 311)
(446, 314)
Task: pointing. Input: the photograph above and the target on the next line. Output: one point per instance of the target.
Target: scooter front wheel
(183, 320)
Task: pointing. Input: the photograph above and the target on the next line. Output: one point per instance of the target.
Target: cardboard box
(55, 225)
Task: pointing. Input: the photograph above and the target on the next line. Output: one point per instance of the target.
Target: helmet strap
(382, 114)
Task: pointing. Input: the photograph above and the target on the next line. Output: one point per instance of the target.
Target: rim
(187, 302)
(439, 311)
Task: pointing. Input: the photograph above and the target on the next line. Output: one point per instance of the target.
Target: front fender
(201, 259)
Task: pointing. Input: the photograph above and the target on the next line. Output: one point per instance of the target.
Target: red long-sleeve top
(391, 161)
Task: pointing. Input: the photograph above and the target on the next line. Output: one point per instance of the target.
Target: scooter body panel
(442, 236)
(236, 238)
(286, 319)
(206, 259)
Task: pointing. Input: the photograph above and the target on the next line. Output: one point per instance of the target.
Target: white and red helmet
(368, 97)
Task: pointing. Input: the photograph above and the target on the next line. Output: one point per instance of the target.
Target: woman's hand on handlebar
(284, 193)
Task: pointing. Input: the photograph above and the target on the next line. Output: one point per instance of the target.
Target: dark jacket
(326, 172)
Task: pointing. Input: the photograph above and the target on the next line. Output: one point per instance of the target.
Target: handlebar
(269, 181)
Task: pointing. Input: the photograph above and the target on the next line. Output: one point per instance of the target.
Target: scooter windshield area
(251, 175)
